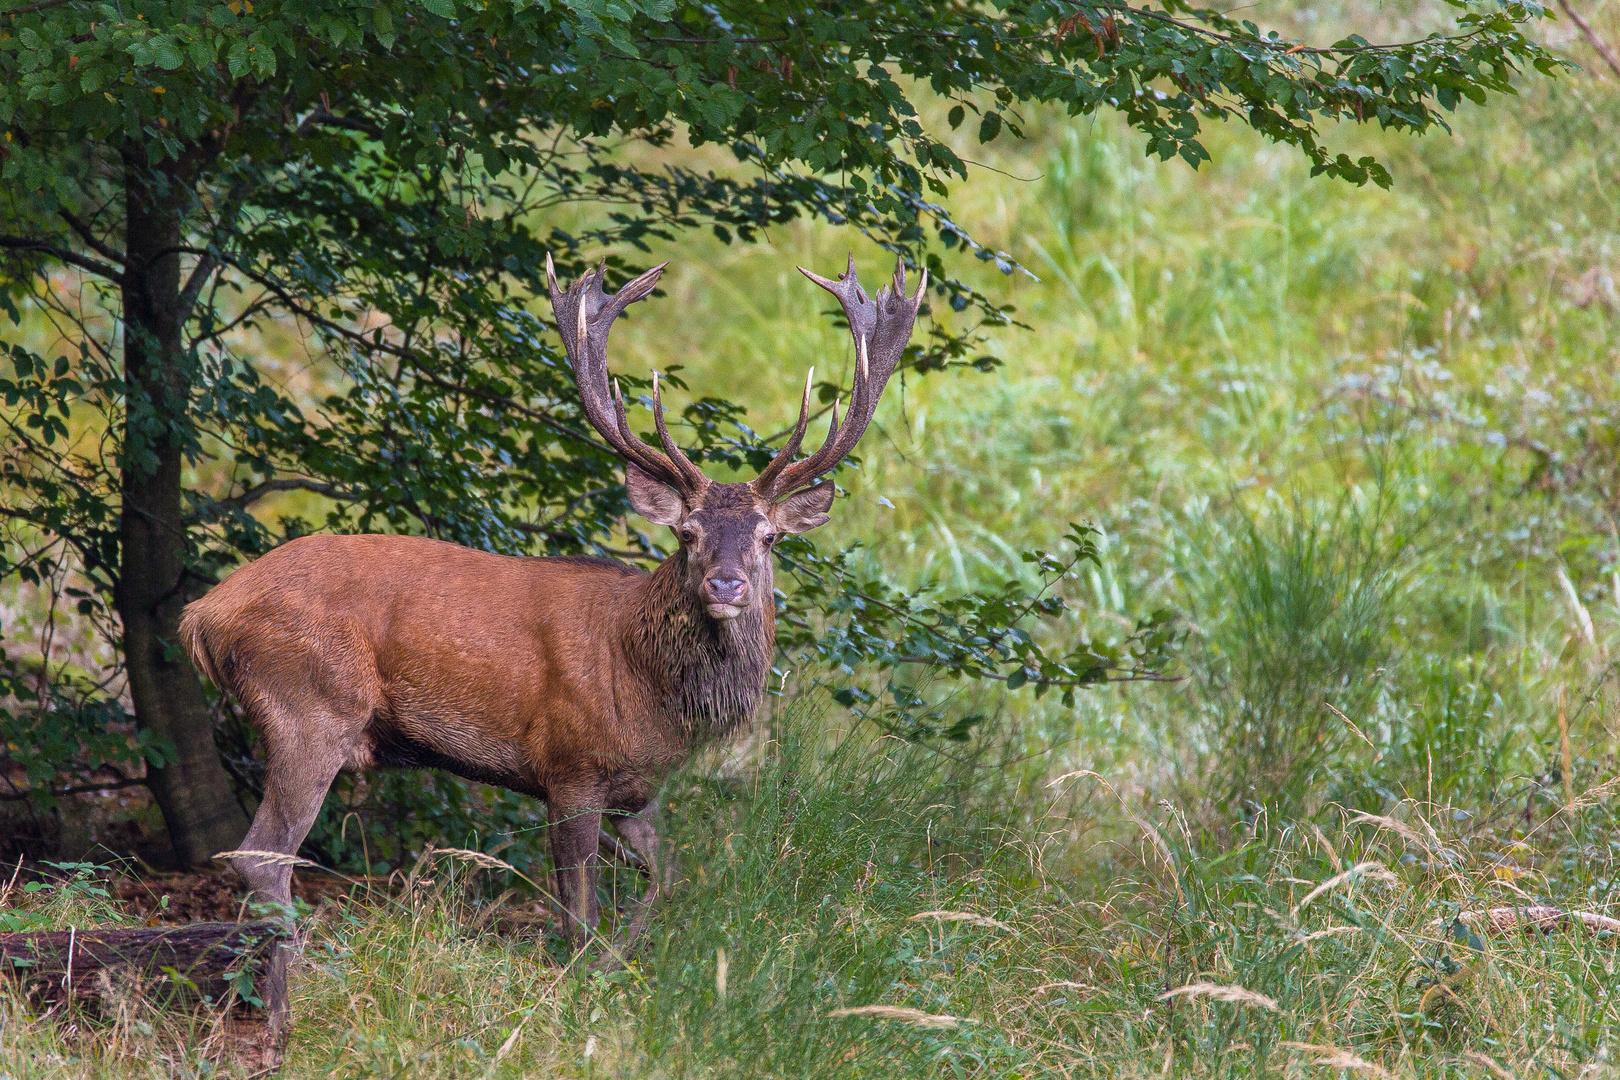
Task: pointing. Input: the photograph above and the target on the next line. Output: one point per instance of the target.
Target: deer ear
(655, 501)
(804, 510)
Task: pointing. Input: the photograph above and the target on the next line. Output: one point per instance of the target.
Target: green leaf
(166, 53)
(989, 126)
(383, 22)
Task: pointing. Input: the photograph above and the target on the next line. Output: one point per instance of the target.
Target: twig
(82, 789)
(106, 251)
(207, 264)
(1592, 37)
(43, 5)
(320, 116)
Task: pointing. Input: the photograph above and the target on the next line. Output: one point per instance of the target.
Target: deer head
(726, 531)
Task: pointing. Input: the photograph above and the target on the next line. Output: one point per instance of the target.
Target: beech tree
(388, 175)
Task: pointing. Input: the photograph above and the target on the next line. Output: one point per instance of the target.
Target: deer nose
(726, 590)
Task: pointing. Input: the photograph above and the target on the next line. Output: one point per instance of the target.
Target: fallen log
(1502, 920)
(230, 969)
(207, 963)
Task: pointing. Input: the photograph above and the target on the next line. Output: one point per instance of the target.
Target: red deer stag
(578, 681)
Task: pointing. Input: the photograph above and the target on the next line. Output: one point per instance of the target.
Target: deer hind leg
(303, 752)
(300, 764)
(295, 786)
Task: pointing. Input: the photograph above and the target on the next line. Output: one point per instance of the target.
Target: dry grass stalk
(1351, 724)
(1327, 847)
(1595, 795)
(1361, 871)
(511, 1040)
(1333, 1057)
(910, 1016)
(1065, 984)
(477, 858)
(1237, 995)
(484, 862)
(1496, 1067)
(962, 916)
(1577, 610)
(268, 858)
(1565, 752)
(1601, 47)
(1399, 828)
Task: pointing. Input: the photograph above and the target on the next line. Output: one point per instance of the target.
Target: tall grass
(1293, 604)
(848, 910)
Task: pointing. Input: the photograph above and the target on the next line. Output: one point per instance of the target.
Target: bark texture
(88, 965)
(194, 793)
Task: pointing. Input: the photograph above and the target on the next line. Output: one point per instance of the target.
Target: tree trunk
(202, 814)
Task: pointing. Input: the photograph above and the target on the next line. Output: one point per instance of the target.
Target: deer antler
(881, 328)
(585, 314)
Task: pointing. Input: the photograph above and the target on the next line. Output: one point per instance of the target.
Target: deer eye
(769, 538)
(687, 535)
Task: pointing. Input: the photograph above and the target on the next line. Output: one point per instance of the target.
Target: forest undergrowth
(1365, 443)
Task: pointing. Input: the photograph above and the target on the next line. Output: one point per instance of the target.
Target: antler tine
(881, 326)
(677, 457)
(585, 315)
(784, 457)
(620, 423)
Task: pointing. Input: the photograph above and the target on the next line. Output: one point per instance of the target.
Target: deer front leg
(574, 838)
(641, 835)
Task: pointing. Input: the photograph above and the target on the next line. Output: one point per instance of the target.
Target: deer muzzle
(726, 596)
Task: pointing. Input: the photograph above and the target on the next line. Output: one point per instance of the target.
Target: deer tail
(194, 636)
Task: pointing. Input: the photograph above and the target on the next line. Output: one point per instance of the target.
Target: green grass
(1354, 436)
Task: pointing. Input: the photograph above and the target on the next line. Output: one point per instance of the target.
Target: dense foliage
(386, 179)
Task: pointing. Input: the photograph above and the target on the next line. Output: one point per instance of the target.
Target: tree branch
(320, 116)
(106, 251)
(247, 313)
(43, 5)
(305, 312)
(208, 263)
(290, 483)
(26, 243)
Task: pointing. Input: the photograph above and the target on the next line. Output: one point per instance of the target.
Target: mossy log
(200, 963)
(219, 966)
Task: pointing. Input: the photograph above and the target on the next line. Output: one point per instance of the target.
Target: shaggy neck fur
(710, 673)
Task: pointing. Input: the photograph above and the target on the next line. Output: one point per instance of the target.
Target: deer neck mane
(707, 674)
